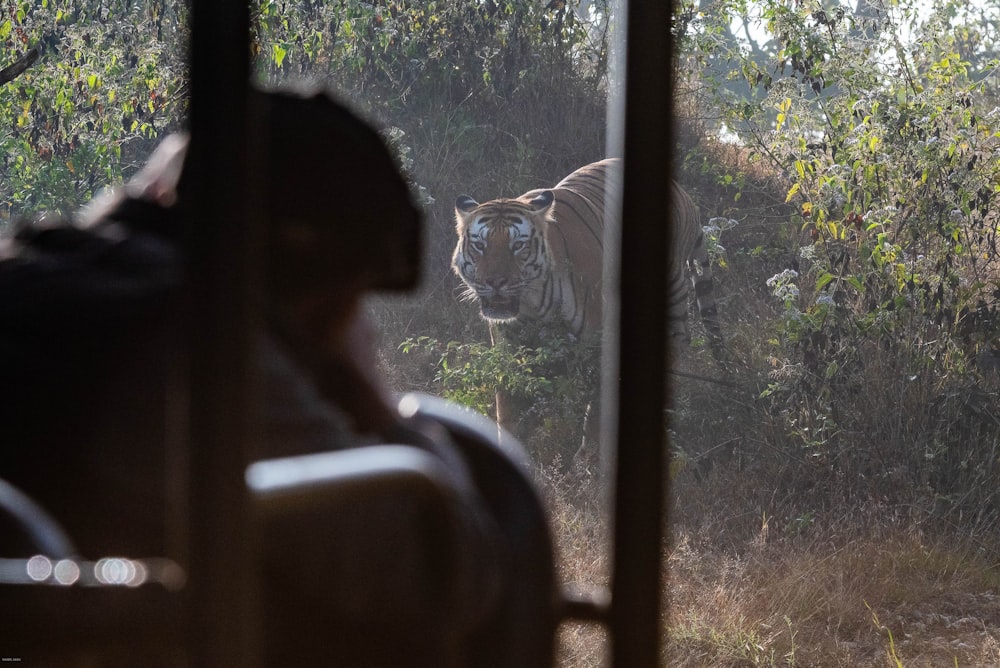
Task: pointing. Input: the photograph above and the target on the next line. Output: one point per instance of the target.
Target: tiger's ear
(465, 204)
(541, 201)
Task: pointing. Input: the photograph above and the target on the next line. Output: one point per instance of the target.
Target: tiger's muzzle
(499, 307)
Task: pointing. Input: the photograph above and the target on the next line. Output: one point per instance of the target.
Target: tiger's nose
(496, 284)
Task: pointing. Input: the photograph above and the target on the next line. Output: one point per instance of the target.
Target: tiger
(540, 256)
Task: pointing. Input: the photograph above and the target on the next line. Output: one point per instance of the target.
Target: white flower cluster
(718, 224)
(824, 299)
(783, 286)
(785, 276)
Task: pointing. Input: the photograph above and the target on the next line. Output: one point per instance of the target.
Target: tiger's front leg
(503, 400)
(590, 443)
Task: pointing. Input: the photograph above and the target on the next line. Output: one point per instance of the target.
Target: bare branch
(11, 72)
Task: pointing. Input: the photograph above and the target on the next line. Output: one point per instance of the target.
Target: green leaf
(792, 191)
(278, 54)
(824, 280)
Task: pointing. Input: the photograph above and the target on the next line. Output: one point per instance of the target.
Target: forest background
(834, 494)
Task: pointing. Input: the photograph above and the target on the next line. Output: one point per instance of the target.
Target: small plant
(550, 384)
(891, 648)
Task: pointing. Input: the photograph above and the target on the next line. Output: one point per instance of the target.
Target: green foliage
(547, 385)
(893, 168)
(109, 81)
(397, 51)
(557, 375)
(881, 126)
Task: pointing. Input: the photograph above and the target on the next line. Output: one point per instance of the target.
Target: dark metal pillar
(639, 522)
(222, 584)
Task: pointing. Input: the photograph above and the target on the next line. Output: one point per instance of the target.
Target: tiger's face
(501, 250)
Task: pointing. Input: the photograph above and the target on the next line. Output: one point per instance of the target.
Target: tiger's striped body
(540, 255)
(690, 259)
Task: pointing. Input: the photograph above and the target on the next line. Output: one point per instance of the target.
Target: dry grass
(832, 600)
(576, 505)
(853, 592)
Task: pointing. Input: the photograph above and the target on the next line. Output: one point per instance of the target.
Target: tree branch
(11, 72)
